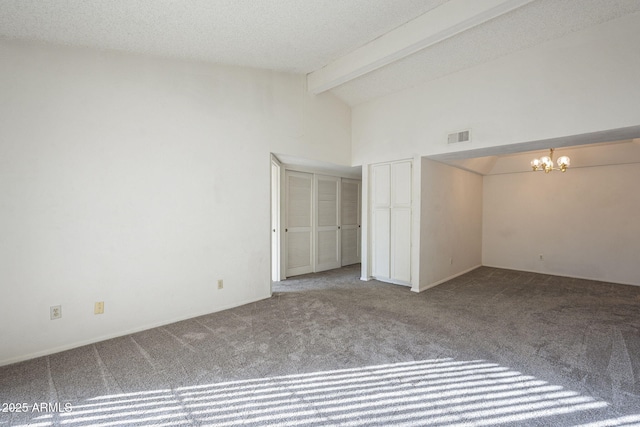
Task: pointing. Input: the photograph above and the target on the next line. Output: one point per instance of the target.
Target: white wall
(584, 222)
(139, 182)
(582, 83)
(451, 222)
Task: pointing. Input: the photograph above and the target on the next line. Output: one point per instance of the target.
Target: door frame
(276, 220)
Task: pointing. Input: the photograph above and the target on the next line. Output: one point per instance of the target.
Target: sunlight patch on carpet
(436, 392)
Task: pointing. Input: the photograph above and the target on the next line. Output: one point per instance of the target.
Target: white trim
(365, 234)
(548, 273)
(283, 197)
(316, 171)
(439, 282)
(391, 281)
(275, 232)
(416, 218)
(123, 333)
(433, 27)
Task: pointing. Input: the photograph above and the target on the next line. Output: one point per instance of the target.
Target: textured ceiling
(297, 35)
(287, 35)
(532, 24)
(310, 165)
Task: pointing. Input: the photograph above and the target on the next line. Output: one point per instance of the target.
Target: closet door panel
(298, 253)
(327, 242)
(381, 244)
(327, 245)
(298, 223)
(401, 184)
(350, 194)
(381, 186)
(350, 246)
(401, 245)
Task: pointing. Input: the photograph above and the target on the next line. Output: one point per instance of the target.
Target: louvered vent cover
(462, 136)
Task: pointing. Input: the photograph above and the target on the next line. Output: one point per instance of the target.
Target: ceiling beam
(447, 20)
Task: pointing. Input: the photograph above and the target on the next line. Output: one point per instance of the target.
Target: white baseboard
(393, 282)
(431, 285)
(573, 276)
(119, 334)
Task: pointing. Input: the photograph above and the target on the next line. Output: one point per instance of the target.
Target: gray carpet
(492, 347)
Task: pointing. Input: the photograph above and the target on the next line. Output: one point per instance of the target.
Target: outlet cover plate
(98, 308)
(55, 312)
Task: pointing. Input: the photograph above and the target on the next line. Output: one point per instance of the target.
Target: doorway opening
(315, 216)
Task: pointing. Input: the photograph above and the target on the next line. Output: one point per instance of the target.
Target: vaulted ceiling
(357, 49)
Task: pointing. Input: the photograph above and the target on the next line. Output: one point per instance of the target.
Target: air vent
(462, 136)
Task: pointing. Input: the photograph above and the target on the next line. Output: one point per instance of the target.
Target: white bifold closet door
(401, 222)
(327, 222)
(381, 221)
(299, 223)
(350, 221)
(391, 221)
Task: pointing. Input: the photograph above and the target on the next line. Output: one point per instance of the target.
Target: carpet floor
(491, 347)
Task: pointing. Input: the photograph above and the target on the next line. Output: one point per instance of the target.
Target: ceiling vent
(462, 136)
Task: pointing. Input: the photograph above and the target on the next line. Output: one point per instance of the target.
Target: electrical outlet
(55, 311)
(98, 308)
(220, 284)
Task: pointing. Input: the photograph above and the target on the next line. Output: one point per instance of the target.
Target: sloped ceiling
(531, 24)
(286, 35)
(357, 49)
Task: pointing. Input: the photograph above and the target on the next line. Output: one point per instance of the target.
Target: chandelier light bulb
(545, 163)
(535, 164)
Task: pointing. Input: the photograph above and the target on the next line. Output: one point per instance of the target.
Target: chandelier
(546, 163)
